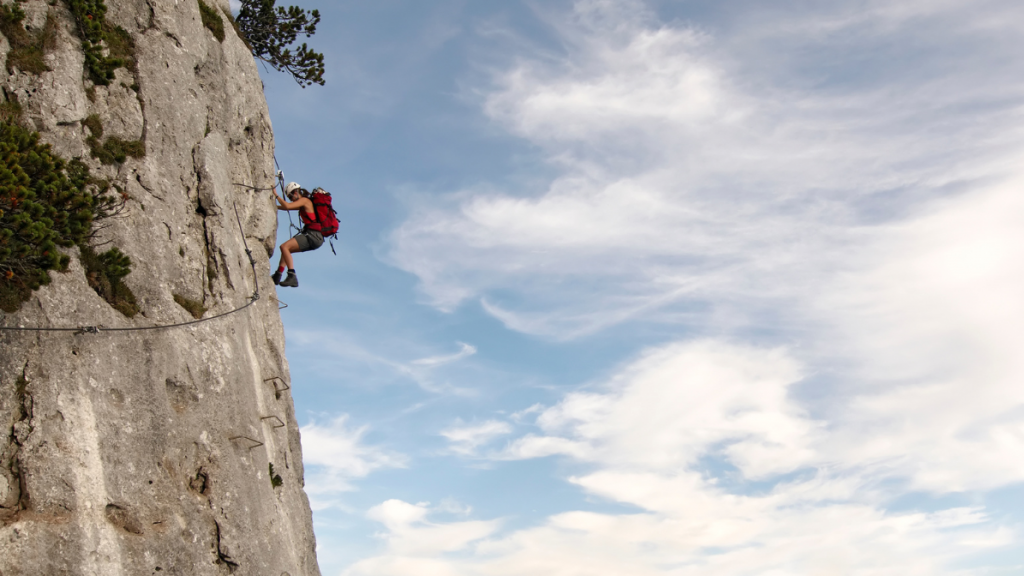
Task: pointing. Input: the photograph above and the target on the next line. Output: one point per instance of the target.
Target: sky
(662, 288)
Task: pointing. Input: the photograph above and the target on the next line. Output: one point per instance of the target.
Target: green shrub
(104, 273)
(10, 111)
(41, 208)
(45, 204)
(212, 20)
(113, 149)
(27, 50)
(12, 294)
(91, 20)
(95, 126)
(193, 307)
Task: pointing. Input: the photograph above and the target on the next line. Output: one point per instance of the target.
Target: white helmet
(291, 187)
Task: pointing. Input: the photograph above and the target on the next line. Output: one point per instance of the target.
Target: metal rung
(278, 389)
(280, 305)
(279, 424)
(255, 443)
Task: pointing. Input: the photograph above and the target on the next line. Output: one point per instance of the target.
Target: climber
(309, 238)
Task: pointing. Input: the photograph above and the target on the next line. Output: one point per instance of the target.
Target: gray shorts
(309, 240)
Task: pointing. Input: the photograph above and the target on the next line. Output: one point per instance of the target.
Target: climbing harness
(97, 329)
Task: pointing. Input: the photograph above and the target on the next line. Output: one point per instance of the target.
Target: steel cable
(97, 329)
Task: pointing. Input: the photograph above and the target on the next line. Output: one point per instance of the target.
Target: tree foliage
(270, 31)
(45, 203)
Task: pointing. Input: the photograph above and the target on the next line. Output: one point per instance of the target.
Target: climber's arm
(283, 204)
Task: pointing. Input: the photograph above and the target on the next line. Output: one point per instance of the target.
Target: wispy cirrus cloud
(465, 351)
(465, 439)
(863, 217)
(347, 351)
(691, 181)
(334, 454)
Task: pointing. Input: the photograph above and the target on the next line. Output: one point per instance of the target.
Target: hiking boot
(291, 280)
(276, 277)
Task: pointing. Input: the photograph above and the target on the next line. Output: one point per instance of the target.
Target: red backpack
(325, 214)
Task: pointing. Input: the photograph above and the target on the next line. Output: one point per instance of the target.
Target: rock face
(150, 451)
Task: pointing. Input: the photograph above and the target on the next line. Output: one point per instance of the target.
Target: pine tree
(45, 204)
(270, 30)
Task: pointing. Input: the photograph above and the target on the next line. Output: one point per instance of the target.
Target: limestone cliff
(149, 452)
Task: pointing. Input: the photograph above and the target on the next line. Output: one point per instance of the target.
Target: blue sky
(662, 288)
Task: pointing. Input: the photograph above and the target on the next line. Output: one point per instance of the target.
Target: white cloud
(334, 454)
(667, 409)
(680, 403)
(757, 210)
(632, 77)
(413, 542)
(465, 439)
(648, 433)
(866, 218)
(522, 414)
(937, 327)
(690, 181)
(465, 351)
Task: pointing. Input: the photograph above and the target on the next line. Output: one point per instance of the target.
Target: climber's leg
(287, 248)
(286, 260)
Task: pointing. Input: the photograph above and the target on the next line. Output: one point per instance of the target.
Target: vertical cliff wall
(149, 451)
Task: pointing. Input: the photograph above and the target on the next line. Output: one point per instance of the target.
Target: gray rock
(147, 452)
